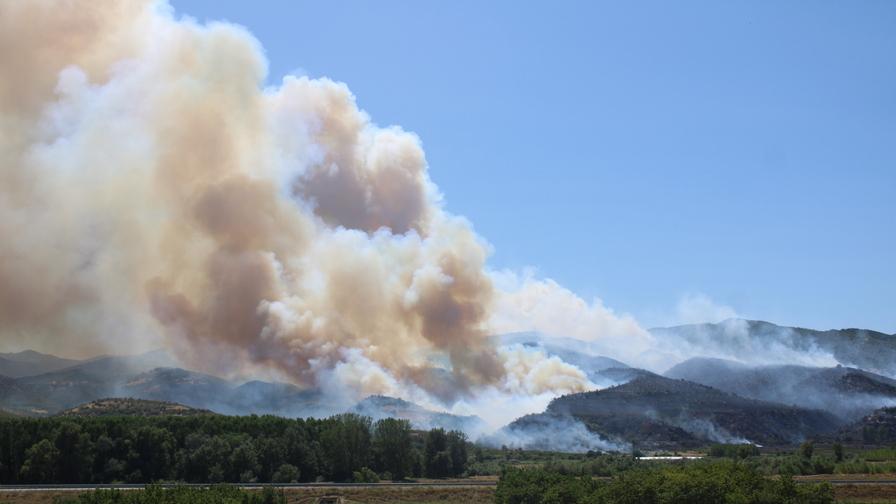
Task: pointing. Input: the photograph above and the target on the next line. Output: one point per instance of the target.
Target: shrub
(286, 473)
(365, 475)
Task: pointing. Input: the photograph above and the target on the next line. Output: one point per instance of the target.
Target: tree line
(216, 448)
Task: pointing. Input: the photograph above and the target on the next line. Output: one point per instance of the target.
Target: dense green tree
(392, 447)
(445, 453)
(113, 470)
(271, 455)
(286, 473)
(151, 451)
(41, 463)
(301, 451)
(838, 452)
(457, 449)
(436, 459)
(187, 465)
(439, 465)
(205, 459)
(243, 462)
(77, 450)
(345, 441)
(105, 451)
(204, 449)
(806, 450)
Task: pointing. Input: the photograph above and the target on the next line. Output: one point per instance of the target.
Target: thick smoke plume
(154, 192)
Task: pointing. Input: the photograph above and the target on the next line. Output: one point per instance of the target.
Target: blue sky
(638, 151)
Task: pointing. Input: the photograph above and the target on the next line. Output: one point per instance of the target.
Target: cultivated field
(373, 495)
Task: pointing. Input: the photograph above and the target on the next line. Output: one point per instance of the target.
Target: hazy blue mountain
(29, 363)
(197, 390)
(847, 392)
(103, 370)
(152, 376)
(378, 406)
(862, 348)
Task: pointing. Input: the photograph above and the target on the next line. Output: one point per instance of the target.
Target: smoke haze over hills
(159, 195)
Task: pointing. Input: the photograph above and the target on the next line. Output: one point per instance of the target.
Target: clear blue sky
(638, 151)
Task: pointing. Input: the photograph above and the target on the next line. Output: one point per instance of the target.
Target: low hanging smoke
(153, 192)
(552, 432)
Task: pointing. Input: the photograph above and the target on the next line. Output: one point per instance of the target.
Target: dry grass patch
(383, 495)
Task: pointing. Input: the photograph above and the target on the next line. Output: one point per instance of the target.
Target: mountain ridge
(848, 392)
(655, 412)
(30, 362)
(866, 349)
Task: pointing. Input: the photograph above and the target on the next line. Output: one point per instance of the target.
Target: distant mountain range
(704, 400)
(29, 362)
(849, 393)
(861, 348)
(698, 401)
(147, 384)
(149, 376)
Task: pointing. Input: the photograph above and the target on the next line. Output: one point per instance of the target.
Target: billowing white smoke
(560, 433)
(730, 338)
(154, 192)
(528, 304)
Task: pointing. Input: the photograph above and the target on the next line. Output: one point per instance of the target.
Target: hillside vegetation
(660, 413)
(118, 406)
(847, 392)
(878, 428)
